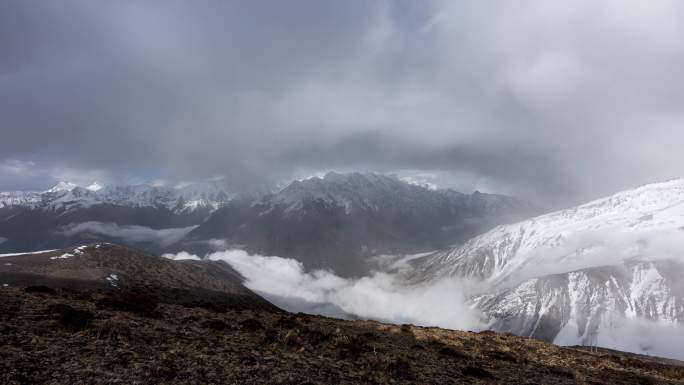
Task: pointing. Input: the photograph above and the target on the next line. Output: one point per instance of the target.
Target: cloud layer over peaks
(556, 101)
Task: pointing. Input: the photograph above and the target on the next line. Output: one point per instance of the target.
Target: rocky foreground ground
(90, 337)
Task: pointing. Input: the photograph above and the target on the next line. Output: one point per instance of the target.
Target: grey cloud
(129, 233)
(638, 336)
(559, 102)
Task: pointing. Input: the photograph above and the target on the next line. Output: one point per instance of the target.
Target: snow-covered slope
(578, 306)
(20, 198)
(62, 186)
(579, 276)
(647, 221)
(65, 195)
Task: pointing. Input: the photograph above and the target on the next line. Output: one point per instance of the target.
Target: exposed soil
(94, 337)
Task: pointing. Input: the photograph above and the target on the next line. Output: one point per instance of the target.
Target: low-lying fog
(383, 295)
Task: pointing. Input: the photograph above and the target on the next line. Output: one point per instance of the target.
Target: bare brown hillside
(98, 337)
(117, 269)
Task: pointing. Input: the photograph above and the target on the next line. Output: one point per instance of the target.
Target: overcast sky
(555, 101)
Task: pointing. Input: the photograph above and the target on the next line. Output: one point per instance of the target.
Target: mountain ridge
(498, 253)
(341, 220)
(67, 195)
(338, 221)
(575, 275)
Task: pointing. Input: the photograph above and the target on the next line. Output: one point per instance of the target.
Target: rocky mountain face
(579, 306)
(341, 220)
(578, 274)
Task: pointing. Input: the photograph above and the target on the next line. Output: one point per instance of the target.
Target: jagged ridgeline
(337, 222)
(341, 220)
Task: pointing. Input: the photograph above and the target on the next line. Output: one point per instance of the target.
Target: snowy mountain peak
(373, 192)
(95, 186)
(62, 186)
(334, 188)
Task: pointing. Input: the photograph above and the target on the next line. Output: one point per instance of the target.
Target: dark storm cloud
(507, 164)
(557, 101)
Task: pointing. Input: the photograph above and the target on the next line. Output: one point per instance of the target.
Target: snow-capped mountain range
(374, 192)
(149, 216)
(576, 275)
(66, 195)
(337, 221)
(341, 220)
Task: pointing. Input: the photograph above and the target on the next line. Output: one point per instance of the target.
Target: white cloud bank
(662, 339)
(183, 255)
(129, 233)
(380, 296)
(384, 296)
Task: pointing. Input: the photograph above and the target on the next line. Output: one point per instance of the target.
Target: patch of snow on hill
(63, 256)
(27, 253)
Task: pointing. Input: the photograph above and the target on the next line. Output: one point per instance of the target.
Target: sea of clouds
(379, 295)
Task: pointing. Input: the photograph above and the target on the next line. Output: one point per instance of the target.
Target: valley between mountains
(336, 192)
(603, 275)
(110, 314)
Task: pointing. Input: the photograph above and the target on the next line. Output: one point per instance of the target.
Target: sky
(556, 102)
